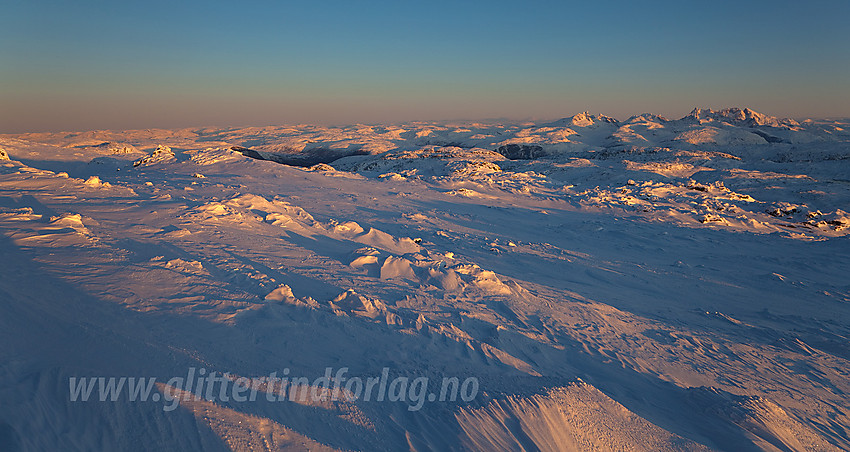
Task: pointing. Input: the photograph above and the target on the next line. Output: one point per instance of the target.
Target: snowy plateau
(640, 284)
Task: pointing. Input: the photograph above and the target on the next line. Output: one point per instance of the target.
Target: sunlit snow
(638, 284)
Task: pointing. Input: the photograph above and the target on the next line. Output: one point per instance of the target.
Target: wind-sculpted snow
(646, 284)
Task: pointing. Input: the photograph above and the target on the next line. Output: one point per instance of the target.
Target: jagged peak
(738, 116)
(585, 119)
(608, 119)
(646, 117)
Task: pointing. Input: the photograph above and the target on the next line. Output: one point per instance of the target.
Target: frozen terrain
(639, 284)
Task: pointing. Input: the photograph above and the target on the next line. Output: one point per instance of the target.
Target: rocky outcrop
(521, 151)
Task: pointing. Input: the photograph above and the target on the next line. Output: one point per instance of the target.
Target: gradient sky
(79, 65)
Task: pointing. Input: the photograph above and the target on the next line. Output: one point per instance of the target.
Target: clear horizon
(100, 65)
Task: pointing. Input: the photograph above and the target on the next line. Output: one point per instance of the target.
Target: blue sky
(98, 64)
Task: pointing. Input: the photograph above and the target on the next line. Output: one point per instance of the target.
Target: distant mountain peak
(585, 119)
(582, 119)
(647, 117)
(745, 117)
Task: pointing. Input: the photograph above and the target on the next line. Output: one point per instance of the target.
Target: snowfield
(646, 284)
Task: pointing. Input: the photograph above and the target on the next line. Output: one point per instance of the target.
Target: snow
(648, 284)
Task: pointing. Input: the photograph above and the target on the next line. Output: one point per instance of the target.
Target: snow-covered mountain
(737, 116)
(646, 284)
